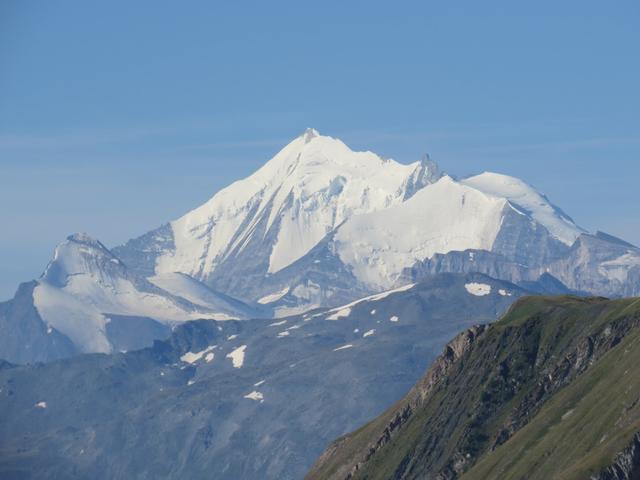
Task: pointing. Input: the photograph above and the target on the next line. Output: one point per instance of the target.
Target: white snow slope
(85, 283)
(377, 216)
(527, 200)
(441, 217)
(196, 292)
(385, 215)
(311, 186)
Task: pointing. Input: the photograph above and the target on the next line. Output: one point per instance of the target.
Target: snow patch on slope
(255, 395)
(273, 297)
(341, 313)
(478, 289)
(345, 310)
(343, 347)
(237, 356)
(191, 357)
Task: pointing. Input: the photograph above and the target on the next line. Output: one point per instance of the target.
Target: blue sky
(116, 116)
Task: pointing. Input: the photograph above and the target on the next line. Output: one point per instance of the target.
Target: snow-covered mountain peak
(80, 254)
(85, 288)
(307, 189)
(319, 211)
(310, 152)
(325, 157)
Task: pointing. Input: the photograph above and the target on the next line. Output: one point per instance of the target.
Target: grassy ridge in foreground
(550, 391)
(580, 430)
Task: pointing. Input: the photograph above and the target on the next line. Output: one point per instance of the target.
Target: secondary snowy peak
(80, 254)
(85, 285)
(528, 201)
(286, 207)
(440, 218)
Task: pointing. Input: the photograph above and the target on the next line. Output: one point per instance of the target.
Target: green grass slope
(580, 430)
(550, 391)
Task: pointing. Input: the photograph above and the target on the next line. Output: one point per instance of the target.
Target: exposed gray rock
(24, 337)
(140, 253)
(526, 243)
(428, 173)
(303, 381)
(133, 333)
(595, 264)
(87, 283)
(600, 264)
(626, 465)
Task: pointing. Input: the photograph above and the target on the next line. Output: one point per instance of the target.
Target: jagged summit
(309, 134)
(432, 165)
(312, 152)
(82, 243)
(79, 254)
(83, 237)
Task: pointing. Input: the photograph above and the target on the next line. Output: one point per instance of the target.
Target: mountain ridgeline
(319, 225)
(297, 304)
(551, 391)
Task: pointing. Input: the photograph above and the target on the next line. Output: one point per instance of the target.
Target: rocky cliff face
(412, 402)
(523, 396)
(626, 465)
(24, 336)
(595, 264)
(600, 263)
